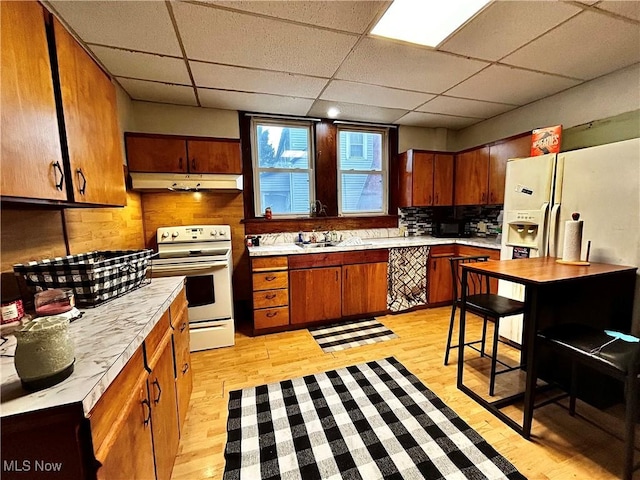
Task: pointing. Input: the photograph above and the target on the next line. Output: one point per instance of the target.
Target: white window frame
(384, 171)
(255, 121)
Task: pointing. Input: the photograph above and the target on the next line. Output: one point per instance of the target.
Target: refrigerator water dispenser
(525, 228)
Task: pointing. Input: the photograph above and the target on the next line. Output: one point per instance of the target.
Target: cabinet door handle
(491, 196)
(436, 202)
(56, 166)
(271, 314)
(270, 278)
(180, 163)
(183, 326)
(193, 164)
(83, 188)
(429, 200)
(148, 416)
(157, 384)
(435, 264)
(185, 368)
(270, 296)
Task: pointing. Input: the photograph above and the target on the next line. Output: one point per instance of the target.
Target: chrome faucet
(318, 209)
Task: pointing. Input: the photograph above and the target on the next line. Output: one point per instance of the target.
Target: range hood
(185, 182)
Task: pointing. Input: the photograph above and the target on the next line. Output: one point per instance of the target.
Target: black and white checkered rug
(368, 421)
(340, 336)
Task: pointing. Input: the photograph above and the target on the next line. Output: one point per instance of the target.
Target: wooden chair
(481, 302)
(605, 353)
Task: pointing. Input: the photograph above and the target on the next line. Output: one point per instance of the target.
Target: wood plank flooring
(561, 447)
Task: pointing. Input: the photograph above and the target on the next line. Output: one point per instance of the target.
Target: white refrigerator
(601, 183)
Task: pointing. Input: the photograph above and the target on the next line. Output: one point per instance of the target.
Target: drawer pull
(56, 166)
(83, 188)
(270, 278)
(271, 314)
(157, 384)
(185, 368)
(270, 296)
(183, 326)
(148, 417)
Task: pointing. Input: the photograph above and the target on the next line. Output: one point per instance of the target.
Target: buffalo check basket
(95, 277)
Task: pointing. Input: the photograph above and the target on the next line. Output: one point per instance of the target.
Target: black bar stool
(606, 353)
(481, 302)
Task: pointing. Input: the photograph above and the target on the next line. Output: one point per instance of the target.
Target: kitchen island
(124, 349)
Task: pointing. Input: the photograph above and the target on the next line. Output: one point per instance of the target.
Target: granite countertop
(371, 244)
(105, 338)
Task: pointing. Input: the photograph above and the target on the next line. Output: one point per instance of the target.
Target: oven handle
(188, 268)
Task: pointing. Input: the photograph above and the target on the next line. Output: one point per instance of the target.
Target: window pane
(362, 192)
(284, 192)
(282, 146)
(360, 150)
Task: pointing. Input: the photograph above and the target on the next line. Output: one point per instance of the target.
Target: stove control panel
(193, 233)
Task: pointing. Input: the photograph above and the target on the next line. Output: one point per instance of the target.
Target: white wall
(604, 97)
(180, 120)
(125, 115)
(422, 138)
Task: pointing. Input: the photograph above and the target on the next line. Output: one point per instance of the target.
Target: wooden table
(599, 295)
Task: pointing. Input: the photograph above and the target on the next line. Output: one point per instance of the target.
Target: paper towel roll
(572, 241)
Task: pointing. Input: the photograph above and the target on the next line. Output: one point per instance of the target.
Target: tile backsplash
(420, 220)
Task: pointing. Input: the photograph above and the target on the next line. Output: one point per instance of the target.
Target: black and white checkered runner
(340, 336)
(368, 421)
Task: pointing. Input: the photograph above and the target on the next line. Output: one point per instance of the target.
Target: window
(362, 171)
(282, 167)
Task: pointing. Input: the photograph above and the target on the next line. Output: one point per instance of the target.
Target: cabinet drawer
(177, 306)
(270, 298)
(271, 317)
(443, 250)
(270, 280)
(155, 341)
(261, 264)
(466, 250)
(365, 256)
(312, 260)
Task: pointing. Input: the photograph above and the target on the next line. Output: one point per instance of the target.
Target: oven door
(208, 288)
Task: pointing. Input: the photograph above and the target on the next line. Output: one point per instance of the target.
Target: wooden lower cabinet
(270, 292)
(315, 294)
(364, 288)
(182, 355)
(439, 278)
(164, 412)
(131, 453)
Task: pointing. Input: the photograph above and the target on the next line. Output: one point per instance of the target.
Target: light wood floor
(561, 447)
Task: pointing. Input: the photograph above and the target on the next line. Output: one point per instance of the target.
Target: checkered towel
(368, 421)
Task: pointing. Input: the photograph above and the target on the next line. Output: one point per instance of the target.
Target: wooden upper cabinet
(214, 156)
(171, 154)
(443, 179)
(498, 156)
(30, 135)
(156, 154)
(422, 190)
(472, 177)
(91, 124)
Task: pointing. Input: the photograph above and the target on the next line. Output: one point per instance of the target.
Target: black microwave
(451, 229)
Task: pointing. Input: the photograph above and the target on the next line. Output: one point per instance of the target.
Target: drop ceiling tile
(341, 91)
(137, 25)
(504, 27)
(349, 16)
(503, 84)
(432, 120)
(394, 64)
(464, 107)
(251, 80)
(625, 8)
(143, 66)
(253, 102)
(360, 113)
(232, 38)
(587, 46)
(158, 92)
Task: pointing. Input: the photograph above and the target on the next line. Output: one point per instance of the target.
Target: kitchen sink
(316, 245)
